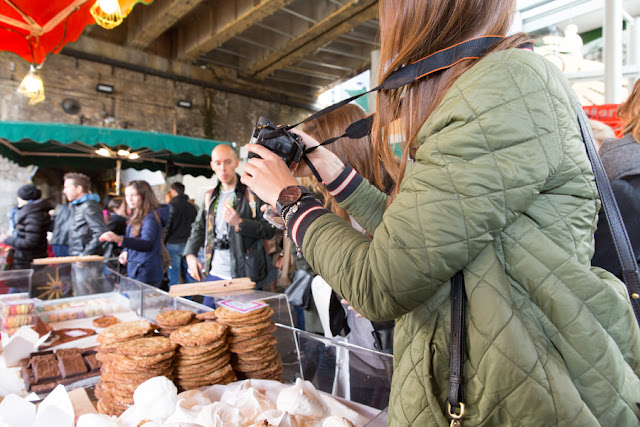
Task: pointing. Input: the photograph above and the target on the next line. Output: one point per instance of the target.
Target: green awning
(73, 146)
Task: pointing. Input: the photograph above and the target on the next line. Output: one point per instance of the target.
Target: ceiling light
(32, 86)
(103, 152)
(134, 156)
(107, 13)
(104, 88)
(124, 153)
(184, 103)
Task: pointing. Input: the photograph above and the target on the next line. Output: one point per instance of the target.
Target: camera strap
(440, 60)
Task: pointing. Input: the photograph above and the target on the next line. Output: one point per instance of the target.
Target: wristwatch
(289, 196)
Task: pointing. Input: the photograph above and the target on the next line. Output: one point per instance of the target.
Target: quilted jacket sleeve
(485, 155)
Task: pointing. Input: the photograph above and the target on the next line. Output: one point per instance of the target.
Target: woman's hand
(326, 163)
(268, 175)
(110, 236)
(123, 257)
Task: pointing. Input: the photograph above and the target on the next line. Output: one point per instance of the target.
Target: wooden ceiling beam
(226, 20)
(219, 78)
(152, 22)
(341, 21)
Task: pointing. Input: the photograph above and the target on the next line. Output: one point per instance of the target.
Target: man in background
(231, 227)
(87, 226)
(181, 215)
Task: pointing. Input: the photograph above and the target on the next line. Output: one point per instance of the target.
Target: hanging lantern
(32, 86)
(107, 13)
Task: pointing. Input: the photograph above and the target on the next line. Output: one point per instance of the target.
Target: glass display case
(334, 366)
(351, 373)
(64, 277)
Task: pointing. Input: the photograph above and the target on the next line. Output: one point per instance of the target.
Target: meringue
(156, 398)
(302, 399)
(220, 414)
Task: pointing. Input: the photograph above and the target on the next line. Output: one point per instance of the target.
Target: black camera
(287, 145)
(222, 243)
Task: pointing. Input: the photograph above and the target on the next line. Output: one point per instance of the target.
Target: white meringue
(249, 401)
(302, 399)
(220, 414)
(156, 398)
(96, 420)
(188, 406)
(334, 421)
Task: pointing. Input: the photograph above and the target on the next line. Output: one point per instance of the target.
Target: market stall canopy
(72, 146)
(34, 28)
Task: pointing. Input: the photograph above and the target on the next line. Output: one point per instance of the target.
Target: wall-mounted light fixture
(184, 103)
(104, 88)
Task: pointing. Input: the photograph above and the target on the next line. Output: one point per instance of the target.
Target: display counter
(348, 372)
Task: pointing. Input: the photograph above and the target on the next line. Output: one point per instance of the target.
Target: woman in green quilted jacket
(494, 181)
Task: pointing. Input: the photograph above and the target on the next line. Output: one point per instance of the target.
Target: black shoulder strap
(616, 225)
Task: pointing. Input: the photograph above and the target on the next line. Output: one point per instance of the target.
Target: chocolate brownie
(93, 362)
(44, 367)
(71, 364)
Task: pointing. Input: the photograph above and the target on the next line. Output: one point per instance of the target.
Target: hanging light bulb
(124, 153)
(32, 86)
(103, 152)
(134, 156)
(109, 6)
(107, 13)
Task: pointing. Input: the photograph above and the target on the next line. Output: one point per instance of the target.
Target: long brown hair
(148, 203)
(411, 30)
(629, 112)
(355, 152)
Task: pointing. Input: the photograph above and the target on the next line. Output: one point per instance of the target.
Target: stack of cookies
(130, 355)
(202, 356)
(251, 343)
(170, 321)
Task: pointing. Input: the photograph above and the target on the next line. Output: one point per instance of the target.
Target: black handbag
(299, 291)
(625, 256)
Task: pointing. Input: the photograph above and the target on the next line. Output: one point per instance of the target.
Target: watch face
(289, 195)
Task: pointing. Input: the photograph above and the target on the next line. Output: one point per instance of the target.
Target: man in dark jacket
(181, 215)
(231, 227)
(88, 225)
(32, 221)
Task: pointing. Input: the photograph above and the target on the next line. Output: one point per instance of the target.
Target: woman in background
(32, 222)
(368, 375)
(142, 244)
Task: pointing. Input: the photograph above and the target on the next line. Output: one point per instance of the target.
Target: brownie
(93, 362)
(71, 364)
(44, 368)
(67, 352)
(44, 387)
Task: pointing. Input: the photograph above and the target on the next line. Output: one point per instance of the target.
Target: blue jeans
(178, 263)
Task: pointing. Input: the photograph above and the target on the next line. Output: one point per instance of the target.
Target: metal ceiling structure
(286, 51)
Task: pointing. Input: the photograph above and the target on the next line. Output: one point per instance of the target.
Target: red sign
(607, 114)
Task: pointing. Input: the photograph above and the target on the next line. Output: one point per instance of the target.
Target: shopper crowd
(493, 181)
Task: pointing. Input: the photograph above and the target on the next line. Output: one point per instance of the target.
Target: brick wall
(139, 101)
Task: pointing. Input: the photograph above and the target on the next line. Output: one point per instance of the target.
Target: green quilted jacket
(501, 187)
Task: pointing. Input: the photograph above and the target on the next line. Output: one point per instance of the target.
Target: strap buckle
(452, 414)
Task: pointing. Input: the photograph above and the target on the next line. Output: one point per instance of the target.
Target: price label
(242, 306)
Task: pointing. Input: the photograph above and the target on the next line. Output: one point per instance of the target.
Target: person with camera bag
(231, 227)
(494, 183)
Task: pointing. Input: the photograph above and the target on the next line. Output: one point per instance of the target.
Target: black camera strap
(441, 60)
